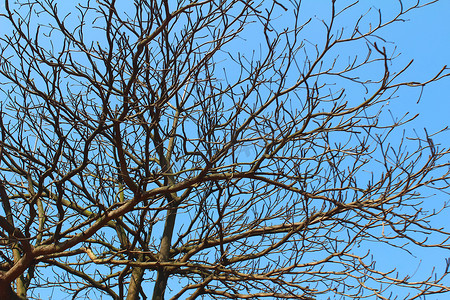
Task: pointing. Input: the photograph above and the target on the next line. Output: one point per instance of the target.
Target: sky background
(425, 38)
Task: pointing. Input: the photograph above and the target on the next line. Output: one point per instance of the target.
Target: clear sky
(425, 38)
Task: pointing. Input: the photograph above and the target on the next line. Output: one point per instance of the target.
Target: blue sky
(425, 38)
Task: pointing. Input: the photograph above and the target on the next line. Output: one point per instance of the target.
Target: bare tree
(210, 150)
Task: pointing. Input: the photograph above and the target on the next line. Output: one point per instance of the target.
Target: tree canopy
(212, 150)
